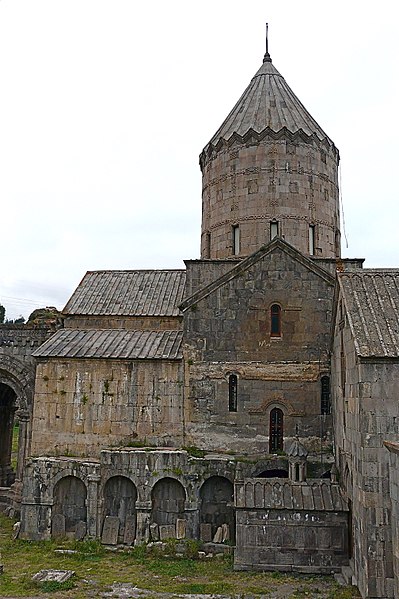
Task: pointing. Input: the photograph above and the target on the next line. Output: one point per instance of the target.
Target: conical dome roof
(268, 102)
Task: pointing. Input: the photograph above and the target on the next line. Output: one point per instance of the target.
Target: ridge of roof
(246, 263)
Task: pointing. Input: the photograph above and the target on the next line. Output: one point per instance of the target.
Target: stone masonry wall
(366, 413)
(251, 184)
(228, 332)
(82, 406)
(393, 449)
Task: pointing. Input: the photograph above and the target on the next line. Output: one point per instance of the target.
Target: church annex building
(248, 399)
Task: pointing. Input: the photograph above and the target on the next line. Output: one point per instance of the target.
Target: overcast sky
(106, 105)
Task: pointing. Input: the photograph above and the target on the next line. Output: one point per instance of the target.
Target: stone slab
(206, 532)
(110, 530)
(53, 575)
(130, 530)
(80, 530)
(181, 527)
(58, 526)
(167, 531)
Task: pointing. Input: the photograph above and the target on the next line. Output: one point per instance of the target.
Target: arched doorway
(217, 505)
(276, 430)
(168, 499)
(7, 455)
(69, 503)
(120, 495)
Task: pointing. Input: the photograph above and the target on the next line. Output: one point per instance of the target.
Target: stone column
(24, 421)
(93, 506)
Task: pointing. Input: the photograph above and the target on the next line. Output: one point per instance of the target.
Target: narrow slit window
(236, 240)
(275, 321)
(273, 230)
(233, 388)
(208, 245)
(325, 395)
(312, 229)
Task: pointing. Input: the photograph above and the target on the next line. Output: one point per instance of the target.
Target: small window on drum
(275, 321)
(233, 388)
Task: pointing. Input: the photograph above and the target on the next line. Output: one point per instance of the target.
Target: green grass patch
(97, 569)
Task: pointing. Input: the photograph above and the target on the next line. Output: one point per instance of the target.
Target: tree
(2, 314)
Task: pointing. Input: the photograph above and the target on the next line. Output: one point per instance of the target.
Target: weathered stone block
(110, 530)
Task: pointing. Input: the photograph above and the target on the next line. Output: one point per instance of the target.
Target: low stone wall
(286, 526)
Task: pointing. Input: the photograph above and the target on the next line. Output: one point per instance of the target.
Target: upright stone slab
(218, 535)
(225, 533)
(154, 531)
(181, 527)
(167, 531)
(206, 532)
(58, 526)
(80, 530)
(130, 530)
(110, 530)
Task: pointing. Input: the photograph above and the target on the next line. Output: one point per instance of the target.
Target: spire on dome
(266, 57)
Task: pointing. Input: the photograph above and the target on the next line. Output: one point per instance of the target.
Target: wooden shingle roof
(371, 298)
(128, 293)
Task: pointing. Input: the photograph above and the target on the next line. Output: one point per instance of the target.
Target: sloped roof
(371, 298)
(248, 262)
(284, 495)
(268, 103)
(128, 293)
(116, 344)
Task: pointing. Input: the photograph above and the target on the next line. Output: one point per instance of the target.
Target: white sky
(106, 105)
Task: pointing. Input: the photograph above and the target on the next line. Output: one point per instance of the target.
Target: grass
(97, 569)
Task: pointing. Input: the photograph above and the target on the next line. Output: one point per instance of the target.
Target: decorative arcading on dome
(268, 107)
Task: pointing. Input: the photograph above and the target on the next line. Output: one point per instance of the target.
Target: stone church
(249, 399)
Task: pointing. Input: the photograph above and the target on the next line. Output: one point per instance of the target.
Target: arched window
(276, 431)
(233, 388)
(275, 321)
(325, 404)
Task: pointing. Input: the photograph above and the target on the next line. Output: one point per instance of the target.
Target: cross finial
(266, 57)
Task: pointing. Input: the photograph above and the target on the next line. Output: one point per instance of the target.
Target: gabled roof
(371, 298)
(128, 293)
(112, 344)
(276, 243)
(268, 103)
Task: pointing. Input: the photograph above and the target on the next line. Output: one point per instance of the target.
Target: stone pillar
(24, 423)
(93, 506)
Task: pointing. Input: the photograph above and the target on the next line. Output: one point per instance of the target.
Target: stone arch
(20, 378)
(273, 468)
(16, 401)
(69, 507)
(168, 498)
(217, 508)
(120, 496)
(273, 473)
